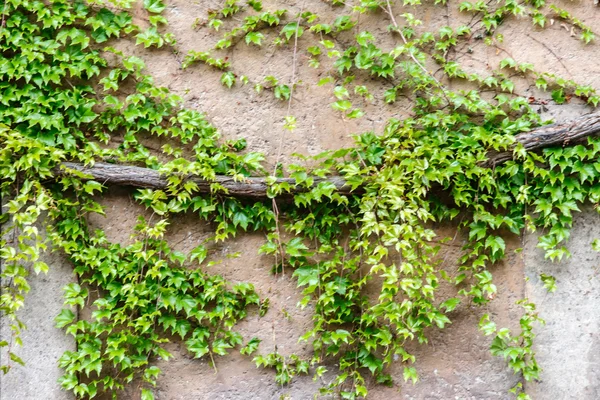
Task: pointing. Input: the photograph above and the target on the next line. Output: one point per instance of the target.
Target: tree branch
(126, 175)
(563, 133)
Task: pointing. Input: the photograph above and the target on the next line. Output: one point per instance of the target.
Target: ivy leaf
(255, 38)
(40, 266)
(539, 19)
(296, 248)
(282, 92)
(290, 30)
(559, 96)
(90, 186)
(228, 79)
(410, 373)
(587, 36)
(477, 230)
(508, 62)
(486, 325)
(182, 327)
(307, 276)
(324, 81)
(147, 395)
(496, 245)
(341, 105)
(251, 347)
(364, 38)
(446, 31)
(340, 92)
(372, 363)
(549, 282)
(541, 83)
(197, 346)
(64, 318)
(450, 304)
(240, 218)
(220, 347)
(199, 253)
(356, 113)
(154, 6)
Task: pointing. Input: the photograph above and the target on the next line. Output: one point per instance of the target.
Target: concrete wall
(43, 344)
(569, 345)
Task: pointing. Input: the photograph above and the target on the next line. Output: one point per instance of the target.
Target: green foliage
(154, 6)
(63, 101)
(286, 367)
(517, 350)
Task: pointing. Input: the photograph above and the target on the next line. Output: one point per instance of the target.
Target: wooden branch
(125, 175)
(562, 134)
(550, 135)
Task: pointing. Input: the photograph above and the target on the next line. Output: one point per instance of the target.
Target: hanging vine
(65, 92)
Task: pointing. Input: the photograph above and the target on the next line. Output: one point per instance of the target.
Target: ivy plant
(66, 91)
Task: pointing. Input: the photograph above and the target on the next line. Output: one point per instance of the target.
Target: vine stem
(551, 52)
(282, 137)
(292, 84)
(391, 14)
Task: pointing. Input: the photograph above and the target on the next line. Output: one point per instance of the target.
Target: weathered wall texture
(456, 364)
(43, 343)
(569, 345)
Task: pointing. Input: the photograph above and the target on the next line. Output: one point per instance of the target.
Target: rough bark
(562, 133)
(559, 134)
(125, 175)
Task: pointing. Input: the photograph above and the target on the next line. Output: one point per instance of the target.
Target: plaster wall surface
(568, 347)
(43, 343)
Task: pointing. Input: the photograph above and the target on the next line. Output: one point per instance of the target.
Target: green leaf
(410, 373)
(558, 96)
(198, 346)
(154, 6)
(240, 218)
(340, 92)
(254, 38)
(147, 395)
(341, 105)
(539, 19)
(251, 346)
(290, 30)
(228, 79)
(90, 186)
(296, 248)
(282, 92)
(307, 276)
(15, 358)
(496, 245)
(486, 325)
(356, 113)
(508, 62)
(40, 266)
(446, 31)
(373, 363)
(199, 253)
(65, 318)
(450, 304)
(549, 282)
(587, 36)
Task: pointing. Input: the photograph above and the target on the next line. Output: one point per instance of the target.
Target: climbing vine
(66, 91)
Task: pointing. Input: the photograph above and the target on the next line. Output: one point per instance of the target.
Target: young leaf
(154, 6)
